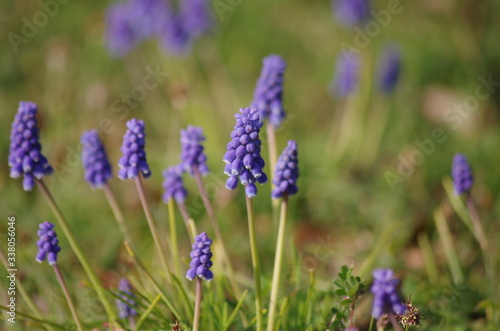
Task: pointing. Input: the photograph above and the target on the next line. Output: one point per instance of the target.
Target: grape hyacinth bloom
(268, 95)
(385, 296)
(174, 37)
(121, 31)
(47, 244)
(133, 160)
(287, 172)
(126, 302)
(389, 69)
(25, 154)
(346, 78)
(462, 174)
(95, 160)
(351, 12)
(192, 155)
(173, 185)
(147, 17)
(201, 256)
(196, 16)
(243, 160)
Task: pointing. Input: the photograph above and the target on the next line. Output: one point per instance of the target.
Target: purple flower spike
(147, 16)
(201, 256)
(351, 12)
(173, 185)
(196, 16)
(462, 174)
(268, 95)
(133, 160)
(121, 31)
(25, 155)
(385, 296)
(95, 161)
(346, 78)
(287, 172)
(243, 160)
(389, 69)
(126, 303)
(173, 36)
(47, 244)
(192, 154)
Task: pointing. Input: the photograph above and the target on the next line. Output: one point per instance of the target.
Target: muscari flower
(201, 258)
(243, 158)
(385, 296)
(174, 37)
(287, 172)
(95, 160)
(268, 95)
(346, 79)
(47, 244)
(389, 69)
(126, 302)
(351, 12)
(462, 174)
(192, 155)
(121, 30)
(147, 17)
(25, 154)
(173, 185)
(133, 160)
(196, 16)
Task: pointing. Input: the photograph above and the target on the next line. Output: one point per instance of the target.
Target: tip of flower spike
(201, 258)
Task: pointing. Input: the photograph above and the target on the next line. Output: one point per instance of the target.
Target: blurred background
(371, 162)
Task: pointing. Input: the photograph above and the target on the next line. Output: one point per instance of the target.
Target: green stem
(280, 244)
(197, 304)
(255, 263)
(371, 324)
(77, 250)
(117, 212)
(449, 249)
(71, 306)
(188, 221)
(152, 227)
(173, 236)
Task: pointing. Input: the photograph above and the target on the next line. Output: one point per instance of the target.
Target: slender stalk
(188, 221)
(280, 244)
(71, 306)
(117, 212)
(429, 260)
(197, 304)
(78, 251)
(255, 264)
(132, 323)
(173, 236)
(394, 323)
(372, 320)
(152, 227)
(273, 158)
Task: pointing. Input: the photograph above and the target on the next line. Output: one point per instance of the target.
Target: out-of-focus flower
(351, 12)
(243, 158)
(461, 173)
(173, 186)
(126, 304)
(133, 160)
(173, 36)
(196, 16)
(385, 296)
(287, 172)
(346, 79)
(48, 244)
(192, 155)
(121, 32)
(268, 95)
(201, 256)
(389, 68)
(25, 154)
(95, 161)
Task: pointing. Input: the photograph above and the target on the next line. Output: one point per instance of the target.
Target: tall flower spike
(201, 256)
(287, 172)
(25, 156)
(47, 244)
(389, 68)
(462, 174)
(268, 95)
(243, 158)
(196, 16)
(351, 12)
(95, 160)
(126, 304)
(346, 78)
(173, 36)
(133, 160)
(385, 296)
(192, 154)
(173, 185)
(121, 32)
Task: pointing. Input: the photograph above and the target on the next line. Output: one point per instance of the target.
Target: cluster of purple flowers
(243, 158)
(385, 295)
(25, 155)
(201, 256)
(462, 174)
(389, 68)
(287, 172)
(351, 12)
(95, 160)
(126, 304)
(173, 186)
(133, 160)
(48, 244)
(132, 21)
(192, 154)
